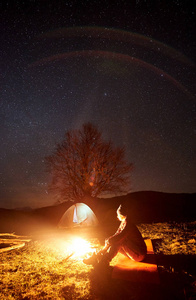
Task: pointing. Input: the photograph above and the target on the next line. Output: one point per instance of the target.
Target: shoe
(92, 260)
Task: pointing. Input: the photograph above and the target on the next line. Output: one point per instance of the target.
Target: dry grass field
(48, 267)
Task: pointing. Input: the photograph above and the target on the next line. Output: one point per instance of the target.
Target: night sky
(127, 67)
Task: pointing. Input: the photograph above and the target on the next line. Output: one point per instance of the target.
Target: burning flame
(79, 247)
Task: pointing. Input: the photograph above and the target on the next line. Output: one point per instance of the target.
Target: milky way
(137, 89)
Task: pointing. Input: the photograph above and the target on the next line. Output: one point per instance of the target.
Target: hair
(122, 210)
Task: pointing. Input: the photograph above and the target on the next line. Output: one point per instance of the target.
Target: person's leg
(105, 255)
(111, 253)
(95, 258)
(133, 252)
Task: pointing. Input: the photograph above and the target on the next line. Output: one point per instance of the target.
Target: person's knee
(136, 254)
(136, 257)
(141, 257)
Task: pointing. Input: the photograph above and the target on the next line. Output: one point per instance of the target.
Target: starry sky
(127, 67)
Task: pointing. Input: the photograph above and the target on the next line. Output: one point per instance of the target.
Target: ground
(46, 267)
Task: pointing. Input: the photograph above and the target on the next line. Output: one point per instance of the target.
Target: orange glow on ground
(73, 247)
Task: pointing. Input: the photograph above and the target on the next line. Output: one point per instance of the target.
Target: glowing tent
(78, 214)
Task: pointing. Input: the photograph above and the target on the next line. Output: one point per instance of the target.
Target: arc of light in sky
(117, 35)
(112, 55)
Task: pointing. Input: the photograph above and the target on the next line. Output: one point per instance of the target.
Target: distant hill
(26, 208)
(143, 207)
(25, 222)
(149, 206)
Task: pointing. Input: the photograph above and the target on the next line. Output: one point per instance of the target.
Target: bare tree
(84, 164)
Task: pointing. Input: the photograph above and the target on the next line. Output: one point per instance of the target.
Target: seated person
(127, 240)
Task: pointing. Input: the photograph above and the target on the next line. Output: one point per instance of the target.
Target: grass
(44, 269)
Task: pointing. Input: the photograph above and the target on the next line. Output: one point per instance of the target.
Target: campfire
(78, 248)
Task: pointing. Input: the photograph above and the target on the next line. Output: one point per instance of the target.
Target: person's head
(121, 213)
